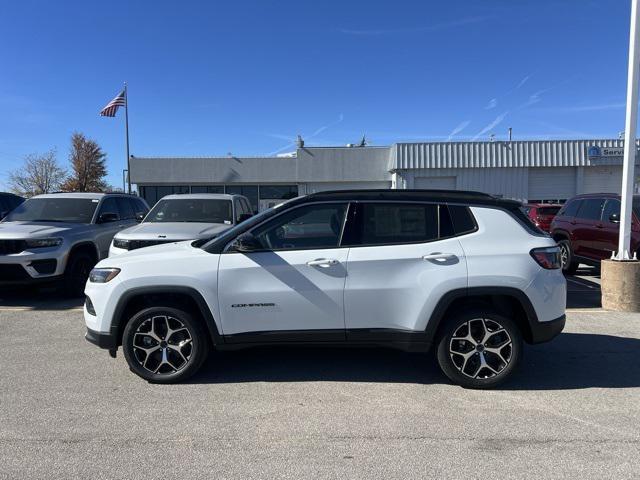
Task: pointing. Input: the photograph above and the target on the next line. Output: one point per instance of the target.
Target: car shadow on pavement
(37, 298)
(583, 292)
(571, 361)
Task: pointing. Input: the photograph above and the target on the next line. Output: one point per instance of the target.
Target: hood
(149, 253)
(23, 230)
(172, 231)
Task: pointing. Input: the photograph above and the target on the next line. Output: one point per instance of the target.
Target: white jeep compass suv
(461, 271)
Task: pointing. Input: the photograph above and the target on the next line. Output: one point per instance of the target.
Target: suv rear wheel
(164, 345)
(569, 265)
(479, 349)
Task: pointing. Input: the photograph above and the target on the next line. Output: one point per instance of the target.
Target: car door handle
(322, 262)
(440, 257)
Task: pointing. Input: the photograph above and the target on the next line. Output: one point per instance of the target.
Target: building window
(207, 188)
(278, 192)
(153, 193)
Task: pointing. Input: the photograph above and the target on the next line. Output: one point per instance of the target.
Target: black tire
(569, 265)
(178, 355)
(76, 274)
(506, 339)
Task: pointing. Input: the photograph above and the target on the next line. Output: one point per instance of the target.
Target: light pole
(630, 125)
(620, 276)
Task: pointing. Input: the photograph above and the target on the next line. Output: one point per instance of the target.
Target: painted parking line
(583, 283)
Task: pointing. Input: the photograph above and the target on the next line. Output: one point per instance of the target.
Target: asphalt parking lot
(67, 410)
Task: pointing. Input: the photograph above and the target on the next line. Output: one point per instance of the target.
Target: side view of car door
(586, 236)
(292, 282)
(402, 260)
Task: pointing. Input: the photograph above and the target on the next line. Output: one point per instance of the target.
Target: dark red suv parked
(542, 214)
(587, 226)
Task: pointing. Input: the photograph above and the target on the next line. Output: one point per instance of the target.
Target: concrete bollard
(620, 285)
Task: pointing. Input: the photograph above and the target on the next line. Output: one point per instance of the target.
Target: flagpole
(126, 128)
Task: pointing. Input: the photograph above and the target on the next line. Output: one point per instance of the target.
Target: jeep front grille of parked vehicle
(7, 247)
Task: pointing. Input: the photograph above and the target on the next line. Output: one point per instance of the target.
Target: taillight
(547, 257)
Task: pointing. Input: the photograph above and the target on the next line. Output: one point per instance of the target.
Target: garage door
(603, 179)
(557, 183)
(435, 183)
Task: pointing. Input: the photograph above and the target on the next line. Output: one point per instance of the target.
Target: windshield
(636, 206)
(191, 210)
(70, 210)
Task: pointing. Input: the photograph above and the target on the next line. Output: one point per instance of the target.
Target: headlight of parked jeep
(120, 243)
(43, 242)
(103, 275)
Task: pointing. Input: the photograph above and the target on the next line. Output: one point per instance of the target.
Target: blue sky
(212, 77)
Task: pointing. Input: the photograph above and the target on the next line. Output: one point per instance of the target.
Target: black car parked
(8, 201)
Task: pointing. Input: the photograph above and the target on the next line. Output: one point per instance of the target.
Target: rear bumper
(544, 331)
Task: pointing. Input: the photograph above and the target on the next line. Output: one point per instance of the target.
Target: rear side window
(612, 207)
(391, 223)
(591, 209)
(571, 208)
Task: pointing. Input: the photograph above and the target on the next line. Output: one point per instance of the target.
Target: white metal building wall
(604, 179)
(552, 183)
(505, 182)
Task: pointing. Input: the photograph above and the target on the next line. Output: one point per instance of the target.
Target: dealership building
(534, 171)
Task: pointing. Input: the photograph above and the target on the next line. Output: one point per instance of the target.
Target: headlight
(119, 243)
(43, 242)
(103, 275)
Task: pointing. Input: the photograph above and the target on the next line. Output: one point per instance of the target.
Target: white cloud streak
(429, 28)
(292, 139)
(461, 126)
(493, 103)
(497, 121)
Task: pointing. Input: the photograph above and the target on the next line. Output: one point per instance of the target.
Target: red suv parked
(542, 214)
(587, 226)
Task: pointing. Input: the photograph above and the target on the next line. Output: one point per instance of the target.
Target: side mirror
(108, 218)
(140, 217)
(244, 216)
(246, 243)
(614, 218)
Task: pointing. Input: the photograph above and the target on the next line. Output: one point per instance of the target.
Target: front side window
(307, 227)
(570, 209)
(191, 210)
(126, 211)
(591, 209)
(71, 210)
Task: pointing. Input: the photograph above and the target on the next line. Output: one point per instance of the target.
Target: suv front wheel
(479, 349)
(164, 345)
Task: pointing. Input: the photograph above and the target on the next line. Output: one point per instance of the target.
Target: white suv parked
(462, 271)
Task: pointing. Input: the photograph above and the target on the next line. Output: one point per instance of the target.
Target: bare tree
(88, 165)
(39, 174)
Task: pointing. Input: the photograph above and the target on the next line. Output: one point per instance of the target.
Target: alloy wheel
(481, 348)
(564, 254)
(162, 344)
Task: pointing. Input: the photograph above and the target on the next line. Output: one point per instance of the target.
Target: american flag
(112, 107)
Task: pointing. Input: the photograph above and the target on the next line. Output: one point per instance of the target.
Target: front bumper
(32, 266)
(544, 331)
(107, 341)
